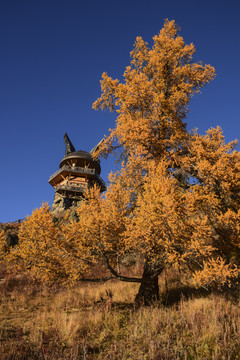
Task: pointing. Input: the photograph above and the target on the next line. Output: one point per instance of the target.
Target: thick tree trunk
(149, 290)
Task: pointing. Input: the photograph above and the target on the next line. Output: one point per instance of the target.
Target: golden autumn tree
(151, 105)
(175, 201)
(68, 251)
(37, 246)
(48, 250)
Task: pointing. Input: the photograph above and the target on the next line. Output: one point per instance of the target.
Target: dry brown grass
(100, 322)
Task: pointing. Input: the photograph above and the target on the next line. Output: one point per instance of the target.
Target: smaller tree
(68, 251)
(38, 250)
(100, 229)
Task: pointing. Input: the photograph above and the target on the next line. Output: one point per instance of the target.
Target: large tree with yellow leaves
(175, 201)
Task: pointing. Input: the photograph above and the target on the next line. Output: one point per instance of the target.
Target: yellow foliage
(215, 272)
(37, 248)
(51, 251)
(3, 245)
(153, 100)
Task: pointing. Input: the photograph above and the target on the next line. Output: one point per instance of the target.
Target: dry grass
(100, 322)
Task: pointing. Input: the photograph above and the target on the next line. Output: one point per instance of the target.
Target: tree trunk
(149, 290)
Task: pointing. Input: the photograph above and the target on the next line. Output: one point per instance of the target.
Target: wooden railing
(74, 169)
(79, 170)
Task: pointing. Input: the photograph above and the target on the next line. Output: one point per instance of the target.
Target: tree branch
(118, 276)
(98, 280)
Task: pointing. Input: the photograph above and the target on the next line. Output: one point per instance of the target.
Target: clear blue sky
(52, 56)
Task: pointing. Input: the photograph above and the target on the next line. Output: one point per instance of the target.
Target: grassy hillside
(99, 322)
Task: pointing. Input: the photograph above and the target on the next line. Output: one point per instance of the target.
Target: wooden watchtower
(78, 171)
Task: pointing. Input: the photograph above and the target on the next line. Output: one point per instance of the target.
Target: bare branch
(98, 280)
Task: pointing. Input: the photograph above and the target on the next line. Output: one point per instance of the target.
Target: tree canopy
(152, 101)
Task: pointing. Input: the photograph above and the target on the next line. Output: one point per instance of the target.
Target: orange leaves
(156, 219)
(46, 250)
(215, 272)
(108, 86)
(163, 224)
(215, 165)
(229, 226)
(38, 248)
(3, 245)
(158, 86)
(34, 228)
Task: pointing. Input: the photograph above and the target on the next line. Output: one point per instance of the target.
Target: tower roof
(78, 154)
(82, 156)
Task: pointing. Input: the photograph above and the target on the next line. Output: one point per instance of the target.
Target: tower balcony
(74, 170)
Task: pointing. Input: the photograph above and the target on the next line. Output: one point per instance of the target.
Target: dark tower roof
(83, 156)
(78, 154)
